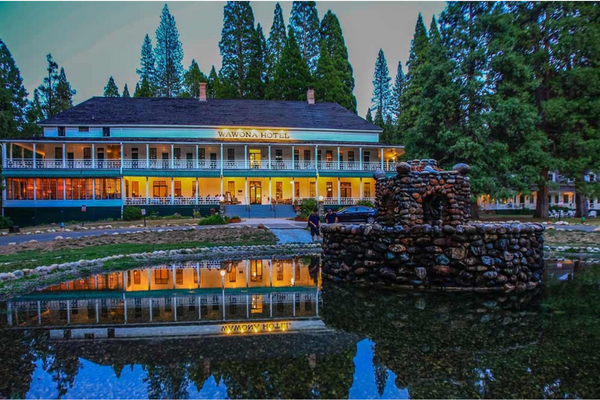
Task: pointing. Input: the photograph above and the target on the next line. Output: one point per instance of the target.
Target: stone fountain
(423, 239)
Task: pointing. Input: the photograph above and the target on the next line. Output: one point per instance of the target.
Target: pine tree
(111, 89)
(148, 63)
(13, 96)
(143, 90)
(395, 103)
(276, 42)
(329, 86)
(369, 116)
(126, 91)
(238, 46)
(168, 55)
(381, 87)
(292, 76)
(212, 86)
(46, 92)
(253, 86)
(191, 80)
(64, 92)
(331, 32)
(304, 22)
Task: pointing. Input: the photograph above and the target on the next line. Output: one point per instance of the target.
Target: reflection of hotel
(174, 155)
(274, 291)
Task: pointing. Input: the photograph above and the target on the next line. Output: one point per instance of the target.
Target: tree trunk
(542, 204)
(474, 210)
(581, 205)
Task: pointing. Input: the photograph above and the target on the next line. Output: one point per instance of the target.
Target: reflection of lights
(243, 330)
(270, 329)
(228, 331)
(559, 264)
(255, 330)
(293, 281)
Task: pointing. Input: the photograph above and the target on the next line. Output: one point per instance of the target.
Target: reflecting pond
(271, 329)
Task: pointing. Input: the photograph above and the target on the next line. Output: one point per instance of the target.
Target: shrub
(307, 206)
(215, 219)
(196, 214)
(235, 217)
(5, 222)
(365, 203)
(131, 213)
(558, 208)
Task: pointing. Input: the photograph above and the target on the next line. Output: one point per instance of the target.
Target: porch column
(173, 274)
(147, 191)
(317, 187)
(122, 190)
(269, 166)
(221, 161)
(293, 157)
(221, 184)
(316, 159)
(11, 153)
(381, 157)
(64, 158)
(64, 188)
(3, 180)
(93, 155)
(4, 155)
(293, 190)
(147, 157)
(246, 156)
(360, 158)
(34, 156)
(360, 195)
(34, 189)
(270, 190)
(339, 191)
(196, 181)
(338, 158)
(246, 191)
(172, 155)
(172, 191)
(94, 189)
(196, 166)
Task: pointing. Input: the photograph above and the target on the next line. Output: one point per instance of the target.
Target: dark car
(357, 214)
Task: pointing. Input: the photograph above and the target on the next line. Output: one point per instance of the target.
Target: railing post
(64, 188)
(147, 156)
(93, 156)
(381, 157)
(293, 157)
(196, 168)
(221, 161)
(34, 189)
(338, 158)
(270, 190)
(246, 156)
(94, 189)
(360, 158)
(172, 157)
(34, 156)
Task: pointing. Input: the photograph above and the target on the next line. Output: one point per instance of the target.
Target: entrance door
(255, 192)
(165, 160)
(254, 155)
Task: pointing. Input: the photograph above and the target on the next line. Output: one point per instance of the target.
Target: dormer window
(106, 131)
(84, 129)
(62, 131)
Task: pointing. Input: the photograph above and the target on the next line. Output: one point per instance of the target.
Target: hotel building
(179, 155)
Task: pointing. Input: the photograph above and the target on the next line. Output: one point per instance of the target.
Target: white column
(381, 157)
(150, 308)
(246, 156)
(93, 155)
(64, 160)
(175, 308)
(173, 274)
(317, 187)
(293, 190)
(360, 158)
(3, 194)
(222, 185)
(147, 156)
(39, 310)
(94, 189)
(4, 155)
(197, 184)
(196, 164)
(34, 157)
(150, 280)
(64, 188)
(316, 159)
(293, 157)
(122, 193)
(339, 191)
(34, 189)
(172, 191)
(338, 158)
(270, 190)
(361, 189)
(269, 165)
(172, 156)
(221, 162)
(147, 191)
(246, 198)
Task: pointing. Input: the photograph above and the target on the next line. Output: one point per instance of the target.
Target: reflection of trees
(167, 381)
(18, 363)
(468, 345)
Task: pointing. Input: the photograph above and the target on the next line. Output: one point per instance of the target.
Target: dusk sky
(95, 40)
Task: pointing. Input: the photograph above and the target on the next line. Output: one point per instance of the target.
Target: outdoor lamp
(321, 198)
(222, 199)
(222, 272)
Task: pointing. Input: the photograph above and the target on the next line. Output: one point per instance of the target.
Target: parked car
(357, 214)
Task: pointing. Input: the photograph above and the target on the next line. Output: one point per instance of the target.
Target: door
(213, 160)
(100, 157)
(255, 192)
(87, 157)
(165, 160)
(71, 160)
(254, 155)
(134, 157)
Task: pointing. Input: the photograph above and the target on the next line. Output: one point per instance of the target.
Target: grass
(529, 218)
(32, 259)
(572, 238)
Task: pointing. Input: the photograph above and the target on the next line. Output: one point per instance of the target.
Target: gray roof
(213, 112)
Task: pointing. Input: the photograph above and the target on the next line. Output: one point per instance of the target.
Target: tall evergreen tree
(381, 87)
(54, 94)
(111, 89)
(148, 63)
(64, 92)
(304, 22)
(276, 42)
(168, 55)
(126, 91)
(329, 85)
(369, 116)
(212, 87)
(292, 76)
(13, 96)
(238, 46)
(191, 80)
(253, 86)
(331, 32)
(395, 103)
(143, 89)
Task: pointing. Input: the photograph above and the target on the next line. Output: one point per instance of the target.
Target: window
(159, 189)
(230, 154)
(279, 270)
(79, 189)
(306, 155)
(351, 156)
(161, 276)
(153, 153)
(108, 188)
(319, 155)
(177, 153)
(329, 156)
(137, 277)
(135, 188)
(367, 189)
(177, 188)
(232, 274)
(278, 191)
(565, 198)
(312, 189)
(87, 153)
(296, 155)
(84, 129)
(329, 189)
(297, 189)
(522, 199)
(106, 131)
(58, 153)
(346, 189)
(62, 131)
(278, 155)
(179, 277)
(256, 270)
(366, 156)
(202, 154)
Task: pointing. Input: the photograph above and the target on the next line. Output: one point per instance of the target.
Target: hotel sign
(253, 134)
(260, 327)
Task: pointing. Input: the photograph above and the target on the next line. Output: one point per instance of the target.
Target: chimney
(310, 96)
(202, 93)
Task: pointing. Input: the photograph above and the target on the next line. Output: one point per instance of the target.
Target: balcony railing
(176, 200)
(187, 164)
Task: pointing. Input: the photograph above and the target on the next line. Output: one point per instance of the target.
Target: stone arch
(388, 203)
(435, 209)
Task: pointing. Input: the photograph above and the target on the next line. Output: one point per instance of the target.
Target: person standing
(331, 217)
(314, 224)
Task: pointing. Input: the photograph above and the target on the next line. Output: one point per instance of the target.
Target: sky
(94, 40)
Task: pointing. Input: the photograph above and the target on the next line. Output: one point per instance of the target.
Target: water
(272, 329)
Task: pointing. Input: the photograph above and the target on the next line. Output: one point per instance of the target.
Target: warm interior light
(222, 272)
